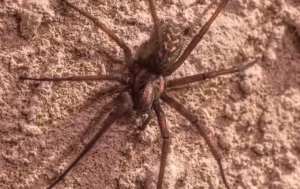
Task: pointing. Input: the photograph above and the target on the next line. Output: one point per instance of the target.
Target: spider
(147, 83)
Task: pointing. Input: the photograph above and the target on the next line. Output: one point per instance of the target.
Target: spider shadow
(76, 132)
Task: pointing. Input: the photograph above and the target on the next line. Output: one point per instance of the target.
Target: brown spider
(146, 83)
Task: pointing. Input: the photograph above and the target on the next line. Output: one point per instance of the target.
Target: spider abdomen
(160, 55)
(169, 48)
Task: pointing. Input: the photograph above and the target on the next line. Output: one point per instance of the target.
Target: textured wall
(254, 116)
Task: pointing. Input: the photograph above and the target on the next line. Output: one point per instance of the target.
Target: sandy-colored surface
(253, 116)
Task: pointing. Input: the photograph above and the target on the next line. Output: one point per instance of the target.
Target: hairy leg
(195, 40)
(98, 23)
(155, 21)
(166, 141)
(208, 75)
(124, 106)
(194, 120)
(110, 77)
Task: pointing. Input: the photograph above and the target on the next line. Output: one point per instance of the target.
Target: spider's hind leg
(196, 40)
(99, 24)
(155, 21)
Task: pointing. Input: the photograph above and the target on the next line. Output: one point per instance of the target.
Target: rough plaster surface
(253, 117)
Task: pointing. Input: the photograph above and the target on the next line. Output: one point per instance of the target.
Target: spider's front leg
(166, 141)
(125, 105)
(194, 120)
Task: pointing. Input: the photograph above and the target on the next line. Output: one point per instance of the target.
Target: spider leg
(155, 39)
(194, 120)
(124, 107)
(166, 141)
(155, 20)
(195, 40)
(208, 75)
(98, 23)
(110, 77)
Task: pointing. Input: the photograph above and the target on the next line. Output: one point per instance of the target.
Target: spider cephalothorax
(146, 88)
(146, 83)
